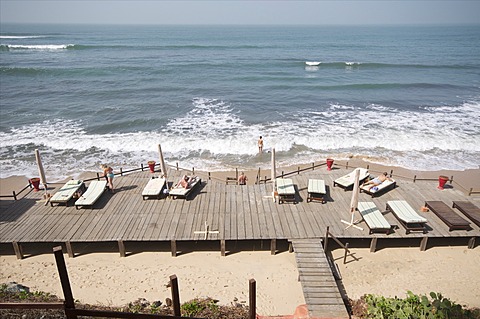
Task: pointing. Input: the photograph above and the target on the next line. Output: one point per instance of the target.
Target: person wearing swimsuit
(110, 175)
(260, 144)
(376, 181)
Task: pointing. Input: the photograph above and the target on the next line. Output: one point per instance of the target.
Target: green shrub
(416, 307)
(195, 307)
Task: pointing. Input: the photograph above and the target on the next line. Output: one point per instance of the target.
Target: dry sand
(452, 271)
(106, 278)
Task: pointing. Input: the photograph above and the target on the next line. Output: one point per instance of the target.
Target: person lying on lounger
(376, 181)
(183, 182)
(186, 182)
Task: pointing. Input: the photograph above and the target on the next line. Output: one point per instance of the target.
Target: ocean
(405, 96)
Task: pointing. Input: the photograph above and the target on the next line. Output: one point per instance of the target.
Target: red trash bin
(441, 181)
(151, 164)
(36, 183)
(329, 164)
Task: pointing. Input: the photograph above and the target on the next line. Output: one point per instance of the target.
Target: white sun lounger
(180, 192)
(407, 216)
(375, 190)
(285, 190)
(66, 192)
(374, 218)
(347, 181)
(94, 191)
(316, 190)
(154, 187)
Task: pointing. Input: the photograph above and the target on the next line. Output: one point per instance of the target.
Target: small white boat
(312, 63)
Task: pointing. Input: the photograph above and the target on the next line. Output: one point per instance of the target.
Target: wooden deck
(236, 212)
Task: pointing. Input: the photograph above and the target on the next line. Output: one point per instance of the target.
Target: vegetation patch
(411, 307)
(434, 306)
(200, 308)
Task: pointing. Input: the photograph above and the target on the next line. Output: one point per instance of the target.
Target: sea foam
(212, 136)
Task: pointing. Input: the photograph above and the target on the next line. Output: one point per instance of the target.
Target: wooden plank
(233, 213)
(267, 212)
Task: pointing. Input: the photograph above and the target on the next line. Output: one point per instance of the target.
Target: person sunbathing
(376, 181)
(184, 182)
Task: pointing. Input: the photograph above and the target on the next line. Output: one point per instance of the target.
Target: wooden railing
(259, 179)
(325, 244)
(71, 312)
(15, 194)
(468, 192)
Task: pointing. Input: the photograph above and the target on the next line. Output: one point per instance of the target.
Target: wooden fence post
(14, 195)
(175, 295)
(252, 294)
(67, 289)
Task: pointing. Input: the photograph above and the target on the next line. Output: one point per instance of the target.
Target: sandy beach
(105, 278)
(453, 271)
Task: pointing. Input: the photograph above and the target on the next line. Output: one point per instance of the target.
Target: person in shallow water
(260, 144)
(242, 179)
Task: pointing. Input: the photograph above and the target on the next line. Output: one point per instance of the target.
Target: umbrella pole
(352, 223)
(354, 202)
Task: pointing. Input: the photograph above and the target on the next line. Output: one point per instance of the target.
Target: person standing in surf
(260, 145)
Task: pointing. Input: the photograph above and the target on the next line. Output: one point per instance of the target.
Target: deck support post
(17, 247)
(70, 252)
(121, 248)
(222, 247)
(273, 246)
(373, 244)
(423, 243)
(471, 243)
(290, 247)
(173, 247)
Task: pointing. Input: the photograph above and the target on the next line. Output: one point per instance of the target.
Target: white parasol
(162, 162)
(354, 201)
(273, 174)
(41, 172)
